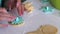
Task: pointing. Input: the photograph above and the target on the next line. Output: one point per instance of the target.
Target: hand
(11, 4)
(20, 7)
(5, 16)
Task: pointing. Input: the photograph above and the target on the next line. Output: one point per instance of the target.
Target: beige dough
(28, 4)
(32, 32)
(46, 29)
(29, 8)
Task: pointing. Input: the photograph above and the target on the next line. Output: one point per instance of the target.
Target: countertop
(33, 21)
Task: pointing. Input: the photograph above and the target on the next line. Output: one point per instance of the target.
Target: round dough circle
(48, 29)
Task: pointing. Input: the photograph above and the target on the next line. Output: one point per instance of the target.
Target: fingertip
(11, 18)
(3, 10)
(3, 25)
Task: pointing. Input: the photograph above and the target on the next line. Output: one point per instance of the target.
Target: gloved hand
(4, 15)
